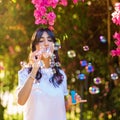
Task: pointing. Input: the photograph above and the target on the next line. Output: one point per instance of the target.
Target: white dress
(45, 102)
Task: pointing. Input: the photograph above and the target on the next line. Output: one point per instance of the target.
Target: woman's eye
(41, 40)
(50, 40)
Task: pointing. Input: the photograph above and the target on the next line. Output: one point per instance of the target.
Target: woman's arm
(24, 93)
(68, 102)
(67, 106)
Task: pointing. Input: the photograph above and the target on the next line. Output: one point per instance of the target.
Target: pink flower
(63, 2)
(116, 20)
(40, 21)
(51, 27)
(117, 42)
(116, 17)
(42, 7)
(75, 1)
(117, 6)
(40, 12)
(52, 3)
(115, 52)
(36, 1)
(51, 18)
(116, 36)
(116, 14)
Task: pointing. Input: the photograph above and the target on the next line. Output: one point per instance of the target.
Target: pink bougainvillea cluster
(116, 52)
(116, 14)
(116, 36)
(44, 10)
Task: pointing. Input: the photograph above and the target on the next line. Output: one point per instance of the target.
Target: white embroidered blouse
(45, 102)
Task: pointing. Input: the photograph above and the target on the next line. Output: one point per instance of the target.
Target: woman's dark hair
(57, 77)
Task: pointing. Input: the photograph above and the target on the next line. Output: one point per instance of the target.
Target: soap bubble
(47, 52)
(71, 54)
(85, 48)
(94, 90)
(83, 63)
(102, 39)
(57, 45)
(81, 76)
(114, 76)
(97, 80)
(89, 68)
(23, 64)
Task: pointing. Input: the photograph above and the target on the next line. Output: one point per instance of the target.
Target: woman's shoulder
(23, 74)
(23, 70)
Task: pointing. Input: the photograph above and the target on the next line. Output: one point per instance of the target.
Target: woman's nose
(46, 42)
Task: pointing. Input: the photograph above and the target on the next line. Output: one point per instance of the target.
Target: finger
(36, 64)
(82, 101)
(36, 55)
(31, 57)
(77, 96)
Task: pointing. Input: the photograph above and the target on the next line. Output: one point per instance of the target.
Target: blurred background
(85, 33)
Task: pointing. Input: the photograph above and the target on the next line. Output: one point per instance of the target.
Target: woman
(42, 86)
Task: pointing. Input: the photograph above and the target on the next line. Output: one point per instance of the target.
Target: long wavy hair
(57, 77)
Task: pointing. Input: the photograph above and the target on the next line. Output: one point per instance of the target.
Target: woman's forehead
(45, 34)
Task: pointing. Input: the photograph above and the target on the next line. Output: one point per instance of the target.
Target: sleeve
(22, 77)
(64, 83)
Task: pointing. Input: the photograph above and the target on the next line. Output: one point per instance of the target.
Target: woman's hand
(35, 58)
(69, 101)
(77, 98)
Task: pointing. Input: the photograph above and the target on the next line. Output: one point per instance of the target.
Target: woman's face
(45, 44)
